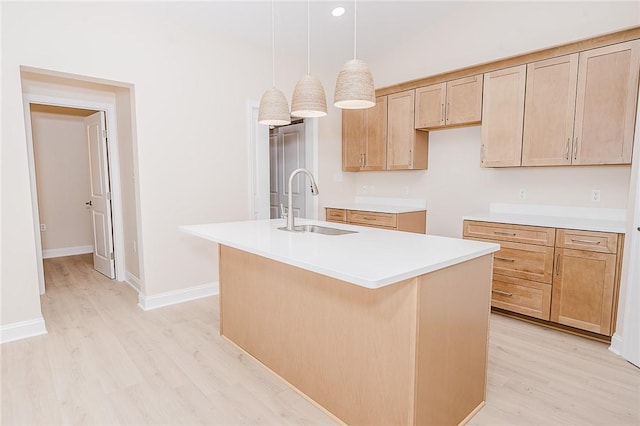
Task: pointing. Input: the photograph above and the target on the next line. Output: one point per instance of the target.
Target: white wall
(62, 175)
(191, 91)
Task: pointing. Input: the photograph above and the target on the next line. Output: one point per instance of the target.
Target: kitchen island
(377, 327)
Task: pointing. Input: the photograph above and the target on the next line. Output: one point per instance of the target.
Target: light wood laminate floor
(105, 361)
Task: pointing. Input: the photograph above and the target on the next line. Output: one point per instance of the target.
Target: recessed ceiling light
(338, 11)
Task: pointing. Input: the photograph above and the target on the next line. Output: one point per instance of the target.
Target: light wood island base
(414, 352)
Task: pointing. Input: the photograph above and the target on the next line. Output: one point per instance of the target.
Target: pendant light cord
(308, 38)
(355, 32)
(273, 44)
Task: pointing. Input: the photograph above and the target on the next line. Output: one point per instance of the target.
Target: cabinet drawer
(602, 242)
(386, 220)
(505, 232)
(336, 215)
(525, 261)
(522, 296)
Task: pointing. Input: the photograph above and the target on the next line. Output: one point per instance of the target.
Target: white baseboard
(173, 297)
(22, 330)
(133, 281)
(616, 344)
(66, 251)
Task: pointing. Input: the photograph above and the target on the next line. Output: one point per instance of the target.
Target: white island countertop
(370, 258)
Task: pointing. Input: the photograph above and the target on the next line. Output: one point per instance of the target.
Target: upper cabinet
(383, 137)
(549, 111)
(406, 147)
(502, 117)
(452, 103)
(364, 137)
(564, 106)
(606, 104)
(580, 108)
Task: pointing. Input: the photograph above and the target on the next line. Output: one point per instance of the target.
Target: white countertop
(377, 208)
(585, 219)
(370, 258)
(381, 204)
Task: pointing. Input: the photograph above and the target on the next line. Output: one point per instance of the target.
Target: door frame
(114, 175)
(258, 165)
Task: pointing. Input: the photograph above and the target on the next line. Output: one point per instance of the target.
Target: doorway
(72, 183)
(286, 154)
(260, 200)
(104, 234)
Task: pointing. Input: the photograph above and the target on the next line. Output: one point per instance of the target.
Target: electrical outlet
(43, 227)
(522, 194)
(595, 195)
(364, 189)
(135, 247)
(405, 190)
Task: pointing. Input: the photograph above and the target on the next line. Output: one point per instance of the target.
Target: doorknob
(88, 203)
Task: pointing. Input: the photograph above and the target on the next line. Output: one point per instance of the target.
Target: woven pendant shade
(354, 87)
(274, 109)
(308, 98)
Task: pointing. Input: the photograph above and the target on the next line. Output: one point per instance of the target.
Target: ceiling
(381, 25)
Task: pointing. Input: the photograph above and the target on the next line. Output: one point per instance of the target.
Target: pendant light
(354, 87)
(274, 109)
(308, 98)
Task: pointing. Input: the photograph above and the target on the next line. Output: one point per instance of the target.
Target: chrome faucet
(314, 191)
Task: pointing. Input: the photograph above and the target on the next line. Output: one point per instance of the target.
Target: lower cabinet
(563, 276)
(410, 221)
(585, 280)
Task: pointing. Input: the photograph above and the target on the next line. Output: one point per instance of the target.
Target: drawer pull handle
(505, 259)
(511, 234)
(502, 293)
(558, 264)
(585, 241)
(368, 218)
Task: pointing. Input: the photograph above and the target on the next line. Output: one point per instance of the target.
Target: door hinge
(111, 255)
(109, 195)
(104, 133)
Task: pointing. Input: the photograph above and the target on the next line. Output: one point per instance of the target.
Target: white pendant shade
(354, 87)
(308, 98)
(274, 109)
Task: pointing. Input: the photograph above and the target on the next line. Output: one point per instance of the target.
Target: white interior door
(100, 199)
(287, 153)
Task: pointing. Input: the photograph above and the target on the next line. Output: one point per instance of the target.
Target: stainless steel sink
(319, 230)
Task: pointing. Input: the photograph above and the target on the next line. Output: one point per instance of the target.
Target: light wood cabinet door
(606, 104)
(375, 149)
(526, 234)
(603, 242)
(336, 215)
(430, 106)
(364, 137)
(406, 147)
(452, 103)
(354, 132)
(526, 261)
(549, 111)
(522, 296)
(502, 117)
(464, 101)
(583, 290)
